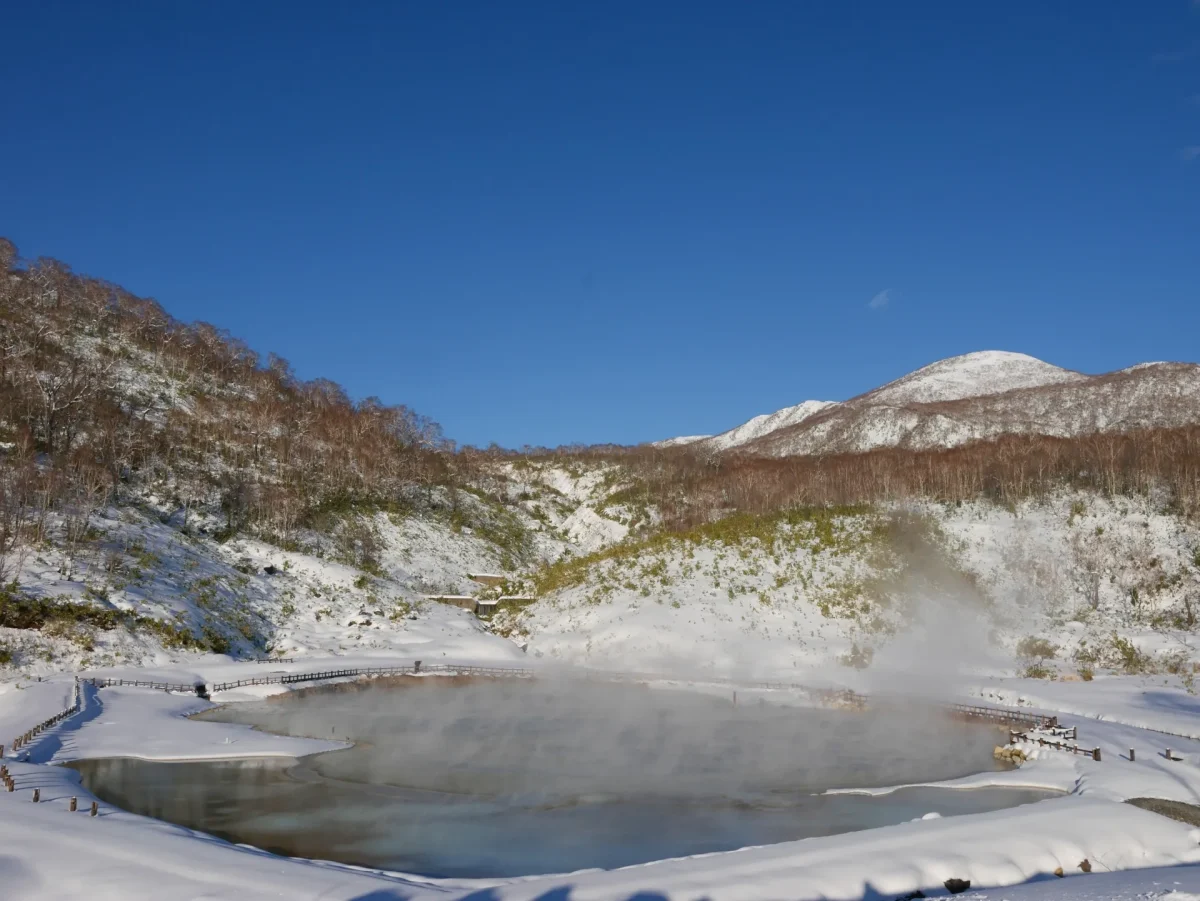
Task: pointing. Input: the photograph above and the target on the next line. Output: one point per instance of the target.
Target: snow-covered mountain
(676, 442)
(765, 424)
(972, 375)
(971, 397)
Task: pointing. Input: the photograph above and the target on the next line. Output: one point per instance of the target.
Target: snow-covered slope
(147, 587)
(676, 442)
(971, 397)
(972, 375)
(764, 425)
(1157, 395)
(1109, 582)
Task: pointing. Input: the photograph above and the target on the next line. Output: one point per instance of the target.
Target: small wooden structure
(482, 606)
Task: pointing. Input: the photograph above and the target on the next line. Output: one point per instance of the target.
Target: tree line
(689, 488)
(102, 391)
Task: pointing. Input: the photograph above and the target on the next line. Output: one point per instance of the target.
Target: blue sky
(550, 222)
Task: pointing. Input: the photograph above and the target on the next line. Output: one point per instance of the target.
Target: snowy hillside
(1109, 583)
(681, 440)
(973, 397)
(146, 589)
(971, 375)
(763, 425)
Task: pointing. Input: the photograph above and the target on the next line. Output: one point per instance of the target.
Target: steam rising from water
(564, 740)
(512, 777)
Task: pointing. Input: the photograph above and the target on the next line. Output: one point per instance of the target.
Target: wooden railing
(26, 737)
(1043, 742)
(353, 672)
(1005, 716)
(137, 683)
(826, 696)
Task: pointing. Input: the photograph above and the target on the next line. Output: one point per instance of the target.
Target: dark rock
(1176, 810)
(271, 570)
(912, 896)
(956, 886)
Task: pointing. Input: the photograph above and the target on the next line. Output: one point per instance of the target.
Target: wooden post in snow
(1096, 755)
(95, 808)
(37, 795)
(74, 804)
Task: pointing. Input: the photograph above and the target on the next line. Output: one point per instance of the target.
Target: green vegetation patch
(74, 620)
(813, 528)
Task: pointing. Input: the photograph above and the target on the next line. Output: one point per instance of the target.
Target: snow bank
(997, 849)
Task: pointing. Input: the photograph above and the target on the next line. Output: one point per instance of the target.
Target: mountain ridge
(971, 397)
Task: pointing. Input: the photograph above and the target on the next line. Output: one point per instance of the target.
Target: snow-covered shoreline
(994, 849)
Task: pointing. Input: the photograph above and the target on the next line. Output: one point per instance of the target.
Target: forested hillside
(164, 489)
(104, 392)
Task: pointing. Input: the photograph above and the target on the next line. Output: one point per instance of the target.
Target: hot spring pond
(511, 777)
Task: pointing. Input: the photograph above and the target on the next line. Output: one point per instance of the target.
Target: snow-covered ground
(942, 608)
(1105, 584)
(46, 852)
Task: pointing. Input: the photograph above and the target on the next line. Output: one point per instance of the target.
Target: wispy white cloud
(880, 300)
(1190, 154)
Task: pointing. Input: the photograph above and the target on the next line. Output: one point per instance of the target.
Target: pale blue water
(507, 779)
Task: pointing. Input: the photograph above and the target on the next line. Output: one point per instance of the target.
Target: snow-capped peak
(972, 397)
(971, 375)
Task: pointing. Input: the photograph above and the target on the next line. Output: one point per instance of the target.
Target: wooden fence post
(1096, 754)
(74, 803)
(37, 795)
(95, 808)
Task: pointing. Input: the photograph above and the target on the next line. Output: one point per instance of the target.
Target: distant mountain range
(967, 398)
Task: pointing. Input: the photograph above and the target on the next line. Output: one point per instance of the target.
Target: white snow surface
(681, 439)
(589, 531)
(45, 852)
(764, 424)
(747, 610)
(972, 375)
